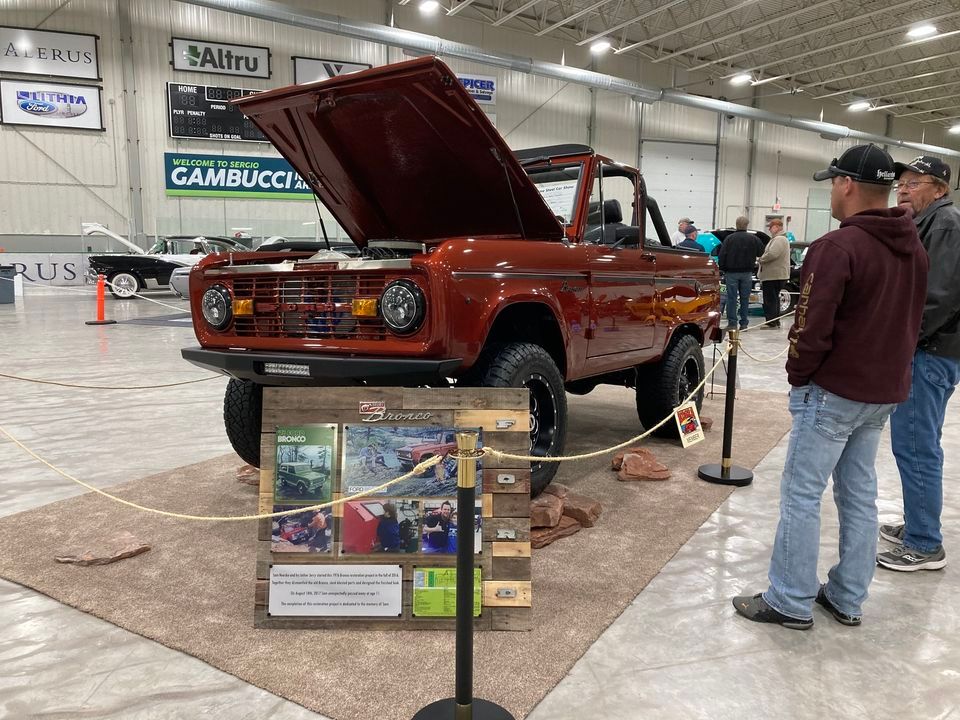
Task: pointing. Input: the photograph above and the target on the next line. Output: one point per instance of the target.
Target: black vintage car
(130, 273)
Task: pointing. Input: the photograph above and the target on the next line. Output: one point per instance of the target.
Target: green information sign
(435, 592)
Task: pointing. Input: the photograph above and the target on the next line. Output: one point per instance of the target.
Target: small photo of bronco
(301, 479)
(304, 469)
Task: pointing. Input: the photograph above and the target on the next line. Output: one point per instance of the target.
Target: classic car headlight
(403, 307)
(216, 306)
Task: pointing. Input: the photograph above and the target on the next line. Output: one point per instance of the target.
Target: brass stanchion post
(726, 473)
(463, 706)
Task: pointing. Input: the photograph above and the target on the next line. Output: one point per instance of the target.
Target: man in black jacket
(915, 427)
(737, 260)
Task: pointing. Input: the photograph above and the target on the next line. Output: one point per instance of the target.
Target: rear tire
(242, 407)
(528, 365)
(661, 387)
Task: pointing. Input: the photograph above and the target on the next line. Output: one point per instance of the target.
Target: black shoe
(755, 608)
(842, 618)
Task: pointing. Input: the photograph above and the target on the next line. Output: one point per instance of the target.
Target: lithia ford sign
(42, 52)
(220, 58)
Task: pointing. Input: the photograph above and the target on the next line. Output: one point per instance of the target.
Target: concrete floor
(677, 652)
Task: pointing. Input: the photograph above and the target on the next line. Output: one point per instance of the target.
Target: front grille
(314, 307)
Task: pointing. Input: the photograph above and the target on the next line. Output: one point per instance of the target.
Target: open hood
(402, 152)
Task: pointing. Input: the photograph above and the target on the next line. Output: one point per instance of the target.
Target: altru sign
(220, 58)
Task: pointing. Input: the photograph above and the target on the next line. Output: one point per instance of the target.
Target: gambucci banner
(237, 176)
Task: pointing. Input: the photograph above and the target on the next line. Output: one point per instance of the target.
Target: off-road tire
(242, 406)
(518, 365)
(661, 387)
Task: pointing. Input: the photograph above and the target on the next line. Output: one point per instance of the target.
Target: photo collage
(418, 516)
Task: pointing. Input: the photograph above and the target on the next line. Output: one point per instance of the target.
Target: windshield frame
(550, 164)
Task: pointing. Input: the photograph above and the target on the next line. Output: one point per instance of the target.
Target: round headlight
(217, 307)
(403, 307)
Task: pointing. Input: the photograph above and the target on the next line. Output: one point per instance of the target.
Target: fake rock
(642, 465)
(545, 510)
(582, 509)
(541, 537)
(120, 546)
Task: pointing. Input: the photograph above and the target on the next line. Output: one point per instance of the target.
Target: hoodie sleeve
(943, 290)
(823, 280)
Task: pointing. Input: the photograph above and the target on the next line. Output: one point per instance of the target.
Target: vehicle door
(622, 272)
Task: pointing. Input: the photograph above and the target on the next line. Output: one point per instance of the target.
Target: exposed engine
(392, 249)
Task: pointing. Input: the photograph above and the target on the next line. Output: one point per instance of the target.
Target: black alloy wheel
(662, 386)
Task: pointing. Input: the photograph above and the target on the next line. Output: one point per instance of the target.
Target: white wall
(59, 179)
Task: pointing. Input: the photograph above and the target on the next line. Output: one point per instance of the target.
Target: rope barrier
(61, 288)
(766, 322)
(418, 469)
(109, 387)
(536, 458)
(764, 360)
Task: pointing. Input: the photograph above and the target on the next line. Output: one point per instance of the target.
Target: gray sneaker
(893, 533)
(905, 559)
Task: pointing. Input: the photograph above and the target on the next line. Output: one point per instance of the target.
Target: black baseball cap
(863, 163)
(925, 165)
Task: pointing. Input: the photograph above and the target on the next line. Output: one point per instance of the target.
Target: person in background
(388, 529)
(690, 240)
(774, 271)
(848, 364)
(917, 424)
(679, 236)
(737, 260)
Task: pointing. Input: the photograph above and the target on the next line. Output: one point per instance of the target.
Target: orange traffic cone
(101, 286)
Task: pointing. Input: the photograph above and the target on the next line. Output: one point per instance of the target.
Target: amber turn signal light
(242, 307)
(365, 307)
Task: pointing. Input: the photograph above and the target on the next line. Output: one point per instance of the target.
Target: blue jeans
(738, 288)
(830, 434)
(915, 430)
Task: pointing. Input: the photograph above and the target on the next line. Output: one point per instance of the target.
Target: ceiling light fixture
(921, 31)
(859, 106)
(954, 129)
(741, 79)
(600, 46)
(429, 7)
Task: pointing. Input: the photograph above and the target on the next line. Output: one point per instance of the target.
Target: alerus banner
(220, 58)
(237, 176)
(42, 52)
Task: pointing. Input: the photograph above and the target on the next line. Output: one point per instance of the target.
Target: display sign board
(204, 112)
(232, 176)
(47, 268)
(307, 70)
(24, 102)
(322, 445)
(221, 58)
(336, 590)
(44, 52)
(482, 88)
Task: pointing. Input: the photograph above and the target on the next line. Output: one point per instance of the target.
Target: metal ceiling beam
(701, 21)
(880, 69)
(792, 38)
(526, 6)
(844, 61)
(847, 41)
(458, 7)
(571, 18)
(752, 28)
(887, 82)
(422, 43)
(940, 98)
(631, 21)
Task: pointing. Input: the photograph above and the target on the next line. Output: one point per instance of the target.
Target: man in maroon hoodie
(862, 294)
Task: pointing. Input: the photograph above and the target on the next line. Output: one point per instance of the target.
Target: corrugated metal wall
(58, 178)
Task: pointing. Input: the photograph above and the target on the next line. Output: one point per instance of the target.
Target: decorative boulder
(120, 546)
(558, 489)
(541, 537)
(545, 510)
(706, 423)
(248, 475)
(642, 465)
(582, 509)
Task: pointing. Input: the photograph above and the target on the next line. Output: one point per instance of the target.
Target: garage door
(681, 177)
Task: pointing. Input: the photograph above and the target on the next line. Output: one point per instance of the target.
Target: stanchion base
(447, 710)
(735, 475)
(100, 322)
